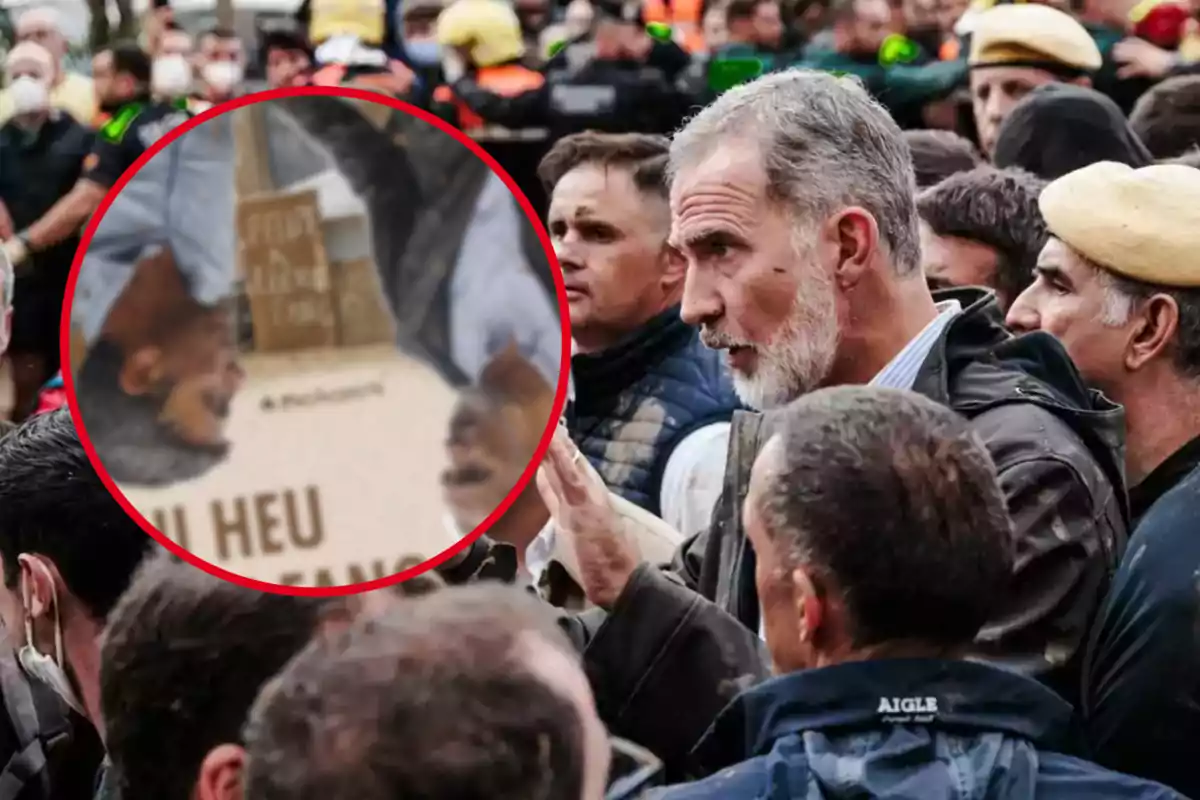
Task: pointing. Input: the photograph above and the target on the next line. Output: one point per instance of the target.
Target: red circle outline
(560, 396)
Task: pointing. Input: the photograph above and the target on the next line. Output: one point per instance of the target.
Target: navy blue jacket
(903, 730)
(639, 399)
(1142, 673)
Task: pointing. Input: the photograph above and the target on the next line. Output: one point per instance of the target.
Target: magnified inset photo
(313, 334)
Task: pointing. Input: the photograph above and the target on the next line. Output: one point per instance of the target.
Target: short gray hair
(893, 498)
(1123, 295)
(826, 144)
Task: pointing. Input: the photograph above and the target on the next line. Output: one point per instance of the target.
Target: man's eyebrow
(703, 236)
(1052, 272)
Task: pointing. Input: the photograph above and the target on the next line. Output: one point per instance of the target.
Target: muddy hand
(579, 505)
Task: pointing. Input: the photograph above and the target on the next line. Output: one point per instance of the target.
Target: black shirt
(133, 129)
(36, 170)
(1164, 478)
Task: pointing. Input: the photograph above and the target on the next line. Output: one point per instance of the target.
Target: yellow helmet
(487, 29)
(359, 18)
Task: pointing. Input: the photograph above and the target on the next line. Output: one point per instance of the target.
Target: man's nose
(568, 255)
(701, 301)
(1022, 315)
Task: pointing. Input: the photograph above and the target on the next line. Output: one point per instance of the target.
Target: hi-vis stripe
(496, 133)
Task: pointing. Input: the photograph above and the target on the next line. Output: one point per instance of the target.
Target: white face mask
(43, 668)
(222, 75)
(171, 76)
(29, 95)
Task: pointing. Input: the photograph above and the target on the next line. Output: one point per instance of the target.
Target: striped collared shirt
(901, 371)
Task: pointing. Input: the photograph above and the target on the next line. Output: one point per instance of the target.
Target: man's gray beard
(802, 358)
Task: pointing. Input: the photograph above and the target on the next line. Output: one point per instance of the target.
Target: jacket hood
(1059, 128)
(979, 364)
(890, 728)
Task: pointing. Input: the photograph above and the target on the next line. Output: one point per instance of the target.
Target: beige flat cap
(1029, 34)
(1143, 224)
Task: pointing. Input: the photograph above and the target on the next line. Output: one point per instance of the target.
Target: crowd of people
(880, 470)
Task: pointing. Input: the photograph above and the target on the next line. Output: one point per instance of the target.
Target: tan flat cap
(1143, 224)
(1029, 34)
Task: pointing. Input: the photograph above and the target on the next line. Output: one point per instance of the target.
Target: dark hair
(643, 155)
(54, 504)
(998, 208)
(742, 10)
(937, 155)
(891, 499)
(285, 39)
(182, 659)
(1167, 117)
(130, 440)
(130, 59)
(442, 702)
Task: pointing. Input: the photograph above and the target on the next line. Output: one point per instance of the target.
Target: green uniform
(903, 88)
(1123, 91)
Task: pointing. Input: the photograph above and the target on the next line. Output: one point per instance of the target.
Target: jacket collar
(609, 372)
(866, 695)
(978, 364)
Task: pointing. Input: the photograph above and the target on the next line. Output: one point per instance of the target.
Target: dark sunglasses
(634, 770)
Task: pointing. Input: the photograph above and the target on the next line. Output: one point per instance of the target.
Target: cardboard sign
(334, 476)
(282, 255)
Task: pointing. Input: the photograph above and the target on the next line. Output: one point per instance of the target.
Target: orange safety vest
(686, 11)
(508, 80)
(950, 49)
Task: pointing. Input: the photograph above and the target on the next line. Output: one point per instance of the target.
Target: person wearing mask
(221, 63)
(982, 228)
(171, 73)
(1014, 50)
(68, 552)
(42, 151)
(883, 547)
(859, 30)
(136, 121)
(1058, 128)
(808, 276)
(1119, 285)
(422, 51)
(480, 672)
(70, 91)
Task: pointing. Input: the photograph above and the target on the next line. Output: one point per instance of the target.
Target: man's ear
(674, 270)
(810, 611)
(1153, 331)
(141, 371)
(38, 577)
(855, 234)
(221, 774)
